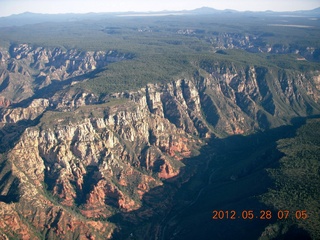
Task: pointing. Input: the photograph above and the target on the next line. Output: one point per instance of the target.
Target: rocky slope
(75, 163)
(256, 43)
(26, 69)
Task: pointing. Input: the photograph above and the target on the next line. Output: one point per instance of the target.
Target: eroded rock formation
(80, 162)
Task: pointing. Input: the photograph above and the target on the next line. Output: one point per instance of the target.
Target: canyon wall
(78, 159)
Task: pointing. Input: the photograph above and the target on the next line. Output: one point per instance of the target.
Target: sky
(9, 7)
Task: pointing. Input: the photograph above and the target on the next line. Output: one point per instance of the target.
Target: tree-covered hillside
(297, 183)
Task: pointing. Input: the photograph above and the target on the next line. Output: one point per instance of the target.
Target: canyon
(80, 159)
(76, 163)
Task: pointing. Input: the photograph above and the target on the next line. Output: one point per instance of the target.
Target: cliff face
(101, 164)
(25, 69)
(81, 162)
(256, 43)
(238, 100)
(34, 110)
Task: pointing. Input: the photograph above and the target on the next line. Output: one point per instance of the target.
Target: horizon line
(159, 11)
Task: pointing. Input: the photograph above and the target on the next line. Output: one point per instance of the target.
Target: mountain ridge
(203, 9)
(117, 126)
(86, 162)
(33, 18)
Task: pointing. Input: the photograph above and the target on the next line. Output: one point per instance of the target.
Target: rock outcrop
(26, 69)
(80, 162)
(34, 110)
(256, 43)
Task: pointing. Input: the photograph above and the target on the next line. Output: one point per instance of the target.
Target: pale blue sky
(8, 7)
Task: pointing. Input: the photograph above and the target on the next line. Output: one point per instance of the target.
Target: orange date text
(261, 215)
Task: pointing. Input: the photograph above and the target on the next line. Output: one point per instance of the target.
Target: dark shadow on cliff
(13, 194)
(9, 184)
(227, 175)
(11, 133)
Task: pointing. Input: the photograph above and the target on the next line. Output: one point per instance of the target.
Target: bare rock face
(4, 102)
(96, 162)
(255, 44)
(25, 70)
(11, 222)
(34, 110)
(80, 162)
(245, 98)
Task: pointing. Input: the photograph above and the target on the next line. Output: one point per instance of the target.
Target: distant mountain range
(33, 18)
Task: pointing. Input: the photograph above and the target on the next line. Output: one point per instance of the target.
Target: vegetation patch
(297, 181)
